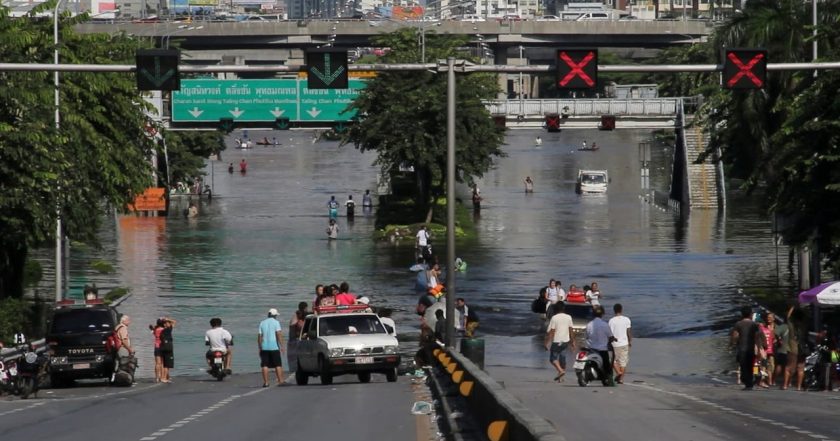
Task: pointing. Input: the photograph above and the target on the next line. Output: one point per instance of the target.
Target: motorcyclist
(219, 339)
(598, 338)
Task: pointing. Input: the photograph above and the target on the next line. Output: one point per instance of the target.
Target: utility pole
(450, 202)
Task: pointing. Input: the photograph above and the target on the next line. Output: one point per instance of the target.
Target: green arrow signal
(328, 76)
(157, 79)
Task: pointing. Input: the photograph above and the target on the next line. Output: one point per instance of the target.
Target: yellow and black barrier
(501, 416)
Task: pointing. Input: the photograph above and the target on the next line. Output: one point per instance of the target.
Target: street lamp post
(59, 288)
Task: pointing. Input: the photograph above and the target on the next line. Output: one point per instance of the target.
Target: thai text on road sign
(262, 100)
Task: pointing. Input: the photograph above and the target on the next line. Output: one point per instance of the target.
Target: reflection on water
(261, 243)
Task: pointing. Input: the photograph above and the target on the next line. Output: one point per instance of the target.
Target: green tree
(402, 117)
(99, 154)
(186, 152)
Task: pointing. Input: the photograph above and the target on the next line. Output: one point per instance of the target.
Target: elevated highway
(355, 33)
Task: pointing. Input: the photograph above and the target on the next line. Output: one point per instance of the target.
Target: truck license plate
(364, 360)
(81, 366)
(580, 364)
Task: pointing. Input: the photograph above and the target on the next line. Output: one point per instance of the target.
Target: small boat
(592, 181)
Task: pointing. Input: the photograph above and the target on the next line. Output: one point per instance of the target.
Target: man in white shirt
(598, 335)
(620, 327)
(219, 339)
(558, 338)
(422, 242)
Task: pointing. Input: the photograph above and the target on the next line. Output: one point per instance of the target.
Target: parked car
(76, 341)
(472, 18)
(548, 18)
(511, 17)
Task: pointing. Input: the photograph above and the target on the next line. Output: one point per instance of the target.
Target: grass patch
(114, 294)
(102, 267)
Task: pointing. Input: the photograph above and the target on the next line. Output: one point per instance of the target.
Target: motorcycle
(31, 372)
(589, 366)
(217, 365)
(814, 367)
(8, 377)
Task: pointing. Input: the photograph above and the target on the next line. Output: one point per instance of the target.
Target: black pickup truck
(76, 341)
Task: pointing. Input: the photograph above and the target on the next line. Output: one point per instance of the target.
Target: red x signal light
(744, 68)
(577, 68)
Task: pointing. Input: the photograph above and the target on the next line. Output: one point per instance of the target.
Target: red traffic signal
(577, 68)
(744, 68)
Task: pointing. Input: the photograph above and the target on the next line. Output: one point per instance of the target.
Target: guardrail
(585, 107)
(17, 352)
(500, 414)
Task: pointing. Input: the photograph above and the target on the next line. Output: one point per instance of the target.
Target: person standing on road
(620, 328)
(598, 337)
(768, 329)
(157, 330)
(745, 337)
(797, 348)
(559, 337)
(121, 329)
(270, 342)
(167, 349)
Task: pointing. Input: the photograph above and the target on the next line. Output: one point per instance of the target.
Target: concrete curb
(494, 408)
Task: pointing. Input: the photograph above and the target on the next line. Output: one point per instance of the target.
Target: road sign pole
(450, 202)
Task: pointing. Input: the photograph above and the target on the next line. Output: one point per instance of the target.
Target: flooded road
(261, 243)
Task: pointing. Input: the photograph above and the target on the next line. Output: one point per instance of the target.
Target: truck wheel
(326, 376)
(391, 375)
(364, 377)
(301, 377)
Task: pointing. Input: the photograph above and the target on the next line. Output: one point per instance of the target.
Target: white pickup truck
(592, 181)
(340, 340)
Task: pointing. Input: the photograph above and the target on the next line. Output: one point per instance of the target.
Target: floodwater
(261, 244)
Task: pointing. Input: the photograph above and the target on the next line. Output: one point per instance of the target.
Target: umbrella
(825, 294)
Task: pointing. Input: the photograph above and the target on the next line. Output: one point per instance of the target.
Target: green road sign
(261, 100)
(157, 69)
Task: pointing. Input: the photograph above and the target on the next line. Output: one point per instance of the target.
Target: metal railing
(14, 353)
(585, 107)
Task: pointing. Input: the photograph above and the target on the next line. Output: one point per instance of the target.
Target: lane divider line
(21, 409)
(729, 410)
(196, 416)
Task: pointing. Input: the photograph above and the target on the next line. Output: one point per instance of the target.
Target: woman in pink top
(157, 330)
(769, 330)
(345, 297)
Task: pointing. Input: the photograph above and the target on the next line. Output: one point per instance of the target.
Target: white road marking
(730, 410)
(21, 409)
(161, 432)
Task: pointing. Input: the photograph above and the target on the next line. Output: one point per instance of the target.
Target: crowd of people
(350, 205)
(776, 347)
(611, 339)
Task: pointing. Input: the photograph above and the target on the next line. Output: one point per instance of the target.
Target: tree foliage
(783, 140)
(402, 116)
(99, 153)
